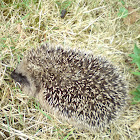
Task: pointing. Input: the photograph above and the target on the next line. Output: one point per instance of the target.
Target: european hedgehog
(86, 91)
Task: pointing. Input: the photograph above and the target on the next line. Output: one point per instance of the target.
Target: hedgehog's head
(25, 79)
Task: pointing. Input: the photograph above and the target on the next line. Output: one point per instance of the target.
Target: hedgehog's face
(21, 79)
(21, 75)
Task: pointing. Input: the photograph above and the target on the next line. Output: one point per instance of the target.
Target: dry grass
(93, 25)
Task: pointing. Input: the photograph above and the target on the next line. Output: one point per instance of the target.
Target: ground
(105, 27)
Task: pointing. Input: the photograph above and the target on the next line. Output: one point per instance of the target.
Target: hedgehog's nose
(13, 74)
(18, 77)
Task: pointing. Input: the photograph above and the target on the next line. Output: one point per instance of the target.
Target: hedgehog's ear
(18, 77)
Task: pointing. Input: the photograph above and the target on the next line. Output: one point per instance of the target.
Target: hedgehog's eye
(18, 77)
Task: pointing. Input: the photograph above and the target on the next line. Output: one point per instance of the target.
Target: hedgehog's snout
(18, 77)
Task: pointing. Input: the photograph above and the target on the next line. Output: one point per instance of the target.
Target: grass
(136, 60)
(91, 25)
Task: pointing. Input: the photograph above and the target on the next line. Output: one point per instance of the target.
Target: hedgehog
(77, 87)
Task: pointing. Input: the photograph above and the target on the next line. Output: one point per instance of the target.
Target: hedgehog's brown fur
(86, 91)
